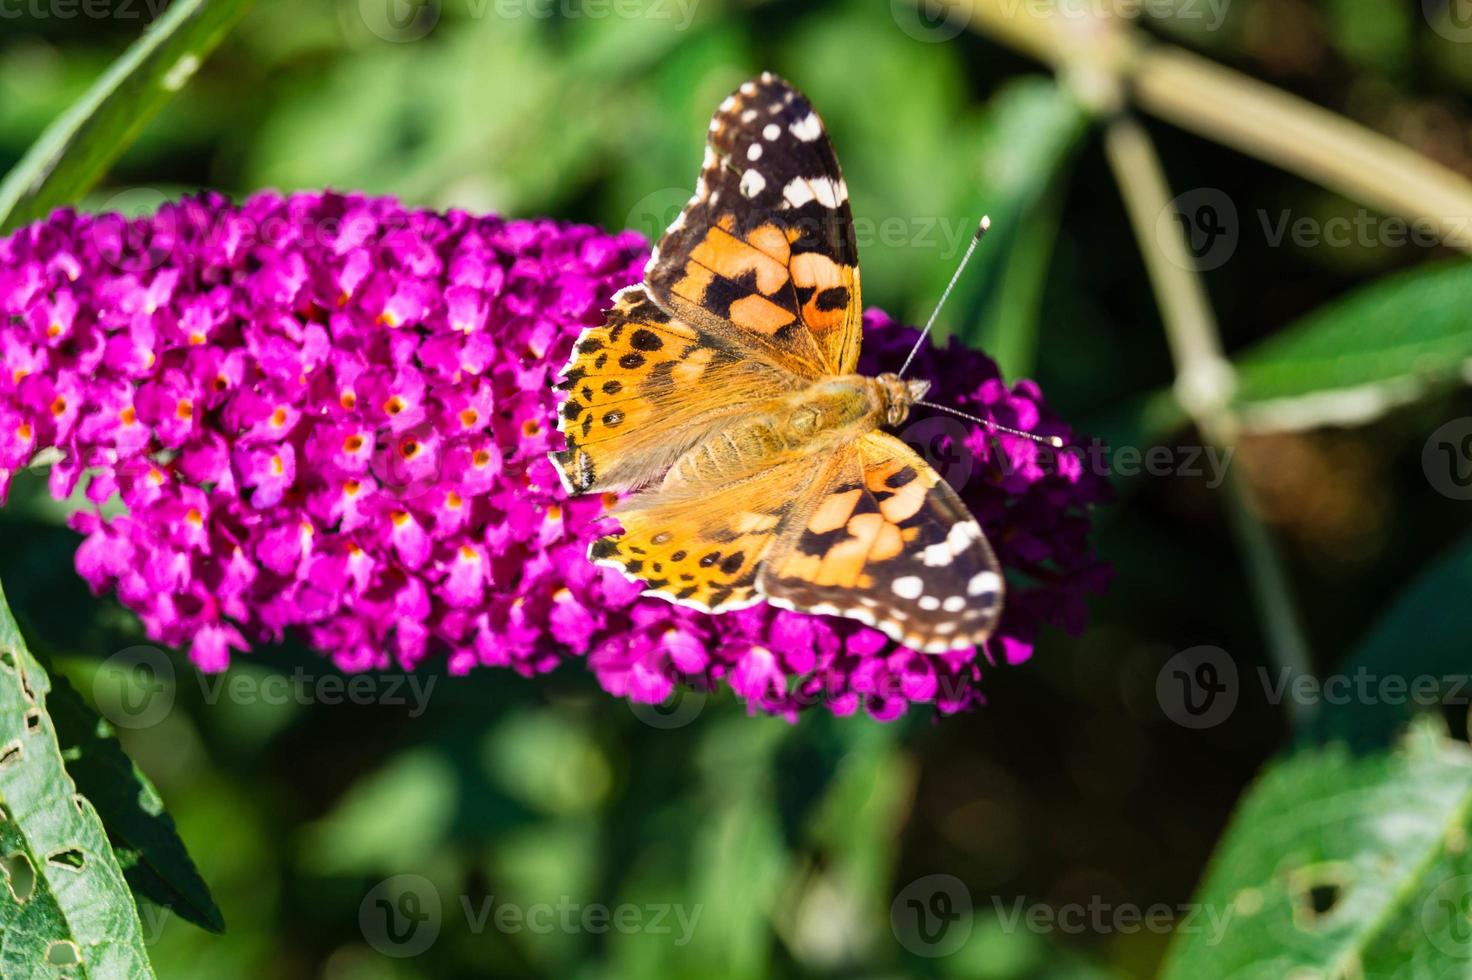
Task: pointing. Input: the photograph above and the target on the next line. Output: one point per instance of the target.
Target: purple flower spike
(331, 414)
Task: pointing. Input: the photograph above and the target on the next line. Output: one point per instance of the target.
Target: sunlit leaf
(65, 908)
(76, 151)
(1334, 862)
(1353, 360)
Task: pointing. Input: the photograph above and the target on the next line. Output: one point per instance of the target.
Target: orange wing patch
(885, 540)
(639, 393)
(703, 550)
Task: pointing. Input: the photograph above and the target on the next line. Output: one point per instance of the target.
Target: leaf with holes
(1336, 861)
(1353, 360)
(65, 909)
(76, 150)
(154, 859)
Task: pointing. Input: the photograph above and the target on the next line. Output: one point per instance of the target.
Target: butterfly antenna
(1053, 441)
(986, 222)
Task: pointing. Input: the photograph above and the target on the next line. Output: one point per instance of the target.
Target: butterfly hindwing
(885, 539)
(766, 246)
(638, 394)
(701, 548)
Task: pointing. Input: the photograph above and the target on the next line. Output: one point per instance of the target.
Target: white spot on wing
(807, 129)
(798, 192)
(982, 583)
(754, 152)
(752, 183)
(908, 587)
(771, 132)
(954, 604)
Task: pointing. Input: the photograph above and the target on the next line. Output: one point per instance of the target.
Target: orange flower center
(353, 443)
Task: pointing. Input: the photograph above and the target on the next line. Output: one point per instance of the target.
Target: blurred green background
(791, 843)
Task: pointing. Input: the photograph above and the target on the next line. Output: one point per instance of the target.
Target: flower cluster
(331, 414)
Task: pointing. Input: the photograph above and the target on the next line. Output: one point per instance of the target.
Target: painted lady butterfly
(725, 384)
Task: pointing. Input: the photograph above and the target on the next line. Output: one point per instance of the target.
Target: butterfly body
(724, 391)
(811, 422)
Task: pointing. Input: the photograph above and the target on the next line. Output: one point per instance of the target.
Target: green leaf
(154, 859)
(1353, 360)
(1029, 136)
(1335, 862)
(78, 148)
(65, 908)
(1400, 674)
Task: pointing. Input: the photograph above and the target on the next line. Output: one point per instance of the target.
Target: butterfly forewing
(639, 393)
(766, 245)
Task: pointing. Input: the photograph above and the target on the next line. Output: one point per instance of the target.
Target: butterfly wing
(884, 539)
(642, 388)
(702, 547)
(765, 249)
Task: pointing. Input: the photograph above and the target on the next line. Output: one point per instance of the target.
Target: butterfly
(723, 389)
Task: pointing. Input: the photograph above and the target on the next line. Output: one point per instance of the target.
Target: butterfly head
(897, 396)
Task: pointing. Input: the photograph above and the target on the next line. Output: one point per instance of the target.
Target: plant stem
(1108, 61)
(1204, 377)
